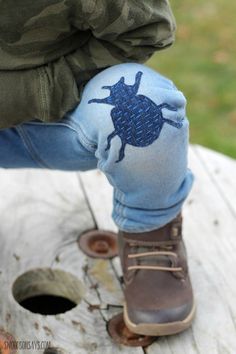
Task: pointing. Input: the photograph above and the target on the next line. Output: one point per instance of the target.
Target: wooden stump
(42, 215)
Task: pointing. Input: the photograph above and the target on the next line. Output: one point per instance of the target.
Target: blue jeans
(131, 124)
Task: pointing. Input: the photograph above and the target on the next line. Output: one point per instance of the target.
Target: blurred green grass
(202, 64)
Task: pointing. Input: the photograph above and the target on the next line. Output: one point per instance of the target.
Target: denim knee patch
(136, 118)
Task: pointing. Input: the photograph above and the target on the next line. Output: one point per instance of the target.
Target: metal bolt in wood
(122, 335)
(99, 243)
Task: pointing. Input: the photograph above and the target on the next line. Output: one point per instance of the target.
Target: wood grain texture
(222, 171)
(42, 215)
(44, 212)
(209, 232)
(210, 239)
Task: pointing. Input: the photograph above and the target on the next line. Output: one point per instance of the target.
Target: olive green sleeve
(44, 93)
(133, 30)
(122, 31)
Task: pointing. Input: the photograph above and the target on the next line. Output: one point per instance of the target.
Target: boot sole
(161, 329)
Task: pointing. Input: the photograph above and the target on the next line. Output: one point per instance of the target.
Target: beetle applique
(137, 120)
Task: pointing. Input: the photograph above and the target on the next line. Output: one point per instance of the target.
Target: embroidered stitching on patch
(137, 120)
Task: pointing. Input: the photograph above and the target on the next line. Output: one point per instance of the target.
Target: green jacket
(49, 49)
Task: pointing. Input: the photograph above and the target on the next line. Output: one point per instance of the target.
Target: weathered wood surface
(42, 214)
(209, 230)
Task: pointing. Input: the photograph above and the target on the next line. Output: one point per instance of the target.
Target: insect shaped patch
(137, 120)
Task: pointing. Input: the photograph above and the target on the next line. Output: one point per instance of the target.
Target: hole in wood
(48, 304)
(48, 291)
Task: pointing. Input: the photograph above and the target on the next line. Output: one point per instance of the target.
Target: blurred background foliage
(202, 64)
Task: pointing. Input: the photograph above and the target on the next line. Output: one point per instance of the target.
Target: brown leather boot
(158, 292)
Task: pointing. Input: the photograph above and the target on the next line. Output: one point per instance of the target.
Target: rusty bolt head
(7, 343)
(99, 244)
(122, 335)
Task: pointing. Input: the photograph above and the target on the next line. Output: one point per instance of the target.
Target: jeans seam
(117, 215)
(28, 144)
(140, 229)
(87, 143)
(42, 123)
(120, 218)
(145, 229)
(116, 209)
(122, 209)
(82, 137)
(124, 213)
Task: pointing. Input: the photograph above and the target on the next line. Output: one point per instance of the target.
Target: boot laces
(154, 267)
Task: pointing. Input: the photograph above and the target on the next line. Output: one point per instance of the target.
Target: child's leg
(39, 145)
(140, 138)
(135, 130)
(134, 121)
(131, 123)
